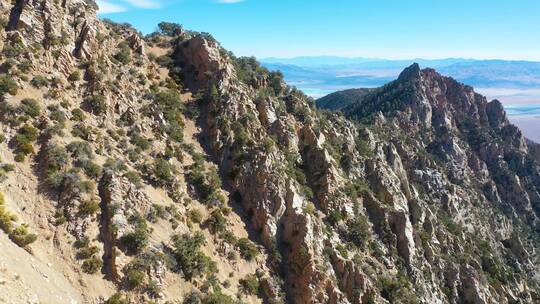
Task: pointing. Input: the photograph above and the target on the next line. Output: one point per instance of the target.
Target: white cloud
(229, 1)
(149, 4)
(106, 7)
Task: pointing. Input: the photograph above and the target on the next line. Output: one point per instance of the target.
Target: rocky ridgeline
(163, 168)
(432, 199)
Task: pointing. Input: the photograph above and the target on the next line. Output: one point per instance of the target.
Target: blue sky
(393, 29)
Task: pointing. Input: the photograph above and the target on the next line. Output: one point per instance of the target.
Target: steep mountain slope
(164, 169)
(342, 99)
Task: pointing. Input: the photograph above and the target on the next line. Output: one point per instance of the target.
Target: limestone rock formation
(163, 168)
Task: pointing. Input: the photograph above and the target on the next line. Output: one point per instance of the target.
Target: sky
(390, 29)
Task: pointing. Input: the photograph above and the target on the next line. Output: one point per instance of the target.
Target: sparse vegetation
(92, 265)
(30, 107)
(98, 104)
(358, 231)
(87, 252)
(217, 222)
(206, 183)
(397, 290)
(135, 242)
(4, 170)
(24, 139)
(7, 85)
(250, 284)
(134, 177)
(189, 257)
(74, 76)
(134, 278)
(218, 298)
(124, 53)
(169, 103)
(77, 115)
(195, 215)
(39, 81)
(89, 207)
(170, 29)
(21, 236)
(163, 171)
(116, 299)
(248, 250)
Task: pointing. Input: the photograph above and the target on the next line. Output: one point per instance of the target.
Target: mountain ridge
(163, 169)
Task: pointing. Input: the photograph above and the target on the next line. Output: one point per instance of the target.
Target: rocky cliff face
(163, 168)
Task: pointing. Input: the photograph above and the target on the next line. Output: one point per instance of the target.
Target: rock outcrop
(163, 168)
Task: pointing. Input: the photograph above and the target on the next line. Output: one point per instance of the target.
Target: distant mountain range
(322, 75)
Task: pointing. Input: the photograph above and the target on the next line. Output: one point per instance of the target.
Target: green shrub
(207, 186)
(77, 115)
(189, 258)
(219, 298)
(7, 85)
(216, 222)
(29, 132)
(140, 142)
(69, 182)
(26, 135)
(165, 60)
(98, 104)
(4, 170)
(13, 50)
(92, 169)
(82, 242)
(87, 252)
(334, 217)
(92, 265)
(170, 29)
(60, 217)
(153, 289)
(358, 231)
(19, 157)
(250, 284)
(8, 64)
(74, 76)
(134, 177)
(116, 299)
(116, 165)
(82, 131)
(163, 171)
(124, 53)
(22, 237)
(39, 81)
(310, 208)
(6, 218)
(30, 107)
(57, 114)
(156, 212)
(134, 278)
(169, 103)
(56, 158)
(397, 290)
(88, 208)
(135, 242)
(25, 66)
(248, 250)
(195, 215)
(3, 21)
(294, 169)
